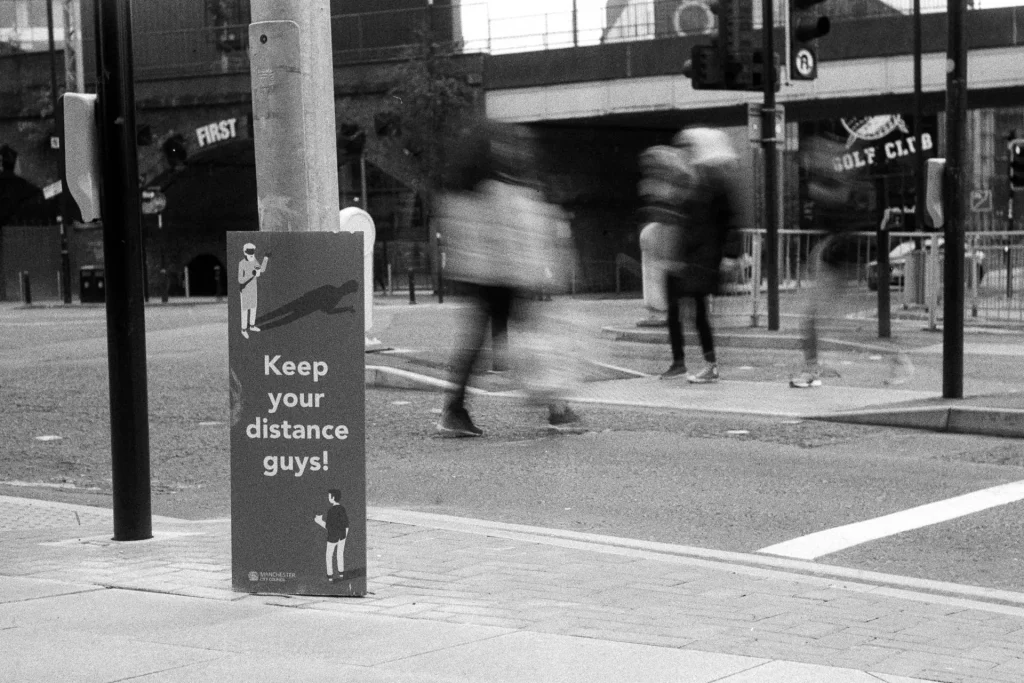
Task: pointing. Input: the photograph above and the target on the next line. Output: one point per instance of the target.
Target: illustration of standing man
(248, 270)
(336, 524)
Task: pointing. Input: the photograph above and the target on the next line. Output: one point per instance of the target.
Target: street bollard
(440, 269)
(1009, 273)
(216, 283)
(26, 288)
(165, 286)
(412, 288)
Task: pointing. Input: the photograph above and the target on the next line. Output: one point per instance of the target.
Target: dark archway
(206, 276)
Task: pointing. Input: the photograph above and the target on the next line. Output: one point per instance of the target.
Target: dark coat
(707, 230)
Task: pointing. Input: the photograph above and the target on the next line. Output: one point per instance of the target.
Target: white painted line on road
(839, 538)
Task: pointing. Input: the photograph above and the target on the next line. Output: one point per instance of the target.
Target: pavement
(993, 406)
(455, 599)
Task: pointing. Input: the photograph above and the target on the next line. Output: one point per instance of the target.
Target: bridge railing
(494, 28)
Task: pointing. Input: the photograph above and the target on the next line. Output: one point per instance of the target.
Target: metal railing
(993, 274)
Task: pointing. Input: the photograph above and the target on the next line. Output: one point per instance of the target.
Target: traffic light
(1016, 166)
(80, 152)
(730, 62)
(704, 68)
(175, 151)
(804, 29)
(351, 140)
(754, 70)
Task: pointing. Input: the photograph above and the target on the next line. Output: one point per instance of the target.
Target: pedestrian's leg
(340, 552)
(710, 372)
(819, 295)
(675, 329)
(467, 349)
(330, 559)
(455, 420)
(703, 322)
(500, 307)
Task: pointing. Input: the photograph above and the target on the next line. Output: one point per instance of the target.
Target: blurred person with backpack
(689, 189)
(831, 190)
(504, 242)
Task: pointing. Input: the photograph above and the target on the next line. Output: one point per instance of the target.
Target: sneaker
(708, 375)
(677, 370)
(253, 328)
(902, 369)
(805, 380)
(456, 422)
(562, 416)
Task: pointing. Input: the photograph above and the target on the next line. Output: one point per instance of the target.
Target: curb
(1004, 422)
(781, 342)
(1000, 422)
(988, 599)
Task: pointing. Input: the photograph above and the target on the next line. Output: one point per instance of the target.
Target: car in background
(898, 263)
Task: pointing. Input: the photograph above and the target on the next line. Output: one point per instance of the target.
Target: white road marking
(839, 538)
(980, 349)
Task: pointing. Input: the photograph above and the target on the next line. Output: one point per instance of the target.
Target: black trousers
(492, 307)
(675, 321)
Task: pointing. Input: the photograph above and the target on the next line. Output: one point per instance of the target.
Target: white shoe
(805, 380)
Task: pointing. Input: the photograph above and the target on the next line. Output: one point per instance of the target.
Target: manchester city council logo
(253, 576)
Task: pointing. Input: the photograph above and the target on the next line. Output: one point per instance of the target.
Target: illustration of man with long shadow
(335, 522)
(248, 270)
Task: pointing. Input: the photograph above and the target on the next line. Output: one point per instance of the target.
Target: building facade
(196, 148)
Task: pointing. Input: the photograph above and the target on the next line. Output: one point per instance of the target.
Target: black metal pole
(65, 260)
(884, 299)
(919, 161)
(955, 209)
(122, 249)
(769, 142)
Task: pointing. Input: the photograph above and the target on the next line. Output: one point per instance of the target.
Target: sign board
(53, 189)
(754, 122)
(153, 201)
(298, 467)
(981, 201)
(804, 65)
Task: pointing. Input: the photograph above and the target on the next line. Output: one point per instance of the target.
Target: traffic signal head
(175, 151)
(1016, 169)
(803, 28)
(704, 68)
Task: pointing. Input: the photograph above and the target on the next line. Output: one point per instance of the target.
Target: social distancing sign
(298, 467)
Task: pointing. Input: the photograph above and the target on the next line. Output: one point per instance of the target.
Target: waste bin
(91, 285)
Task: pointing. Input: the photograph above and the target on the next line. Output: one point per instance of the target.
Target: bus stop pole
(121, 209)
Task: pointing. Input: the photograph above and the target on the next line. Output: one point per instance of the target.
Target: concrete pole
(74, 66)
(293, 115)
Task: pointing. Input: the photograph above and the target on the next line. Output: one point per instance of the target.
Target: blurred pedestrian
(502, 247)
(830, 190)
(698, 201)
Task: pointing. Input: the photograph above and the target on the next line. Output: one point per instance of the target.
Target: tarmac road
(661, 475)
